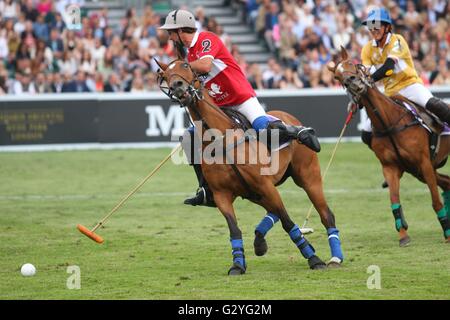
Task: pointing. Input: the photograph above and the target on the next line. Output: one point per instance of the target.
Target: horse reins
(388, 131)
(197, 95)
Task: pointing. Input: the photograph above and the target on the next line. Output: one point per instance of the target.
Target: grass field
(157, 248)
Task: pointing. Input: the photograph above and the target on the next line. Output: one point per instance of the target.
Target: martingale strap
(198, 97)
(251, 194)
(388, 131)
(394, 130)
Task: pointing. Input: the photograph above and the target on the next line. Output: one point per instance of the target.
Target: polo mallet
(304, 229)
(91, 233)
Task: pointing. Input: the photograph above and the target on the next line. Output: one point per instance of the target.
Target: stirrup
(200, 199)
(307, 137)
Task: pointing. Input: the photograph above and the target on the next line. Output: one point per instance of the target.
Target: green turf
(157, 248)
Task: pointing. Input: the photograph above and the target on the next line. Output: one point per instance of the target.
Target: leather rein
(356, 87)
(195, 96)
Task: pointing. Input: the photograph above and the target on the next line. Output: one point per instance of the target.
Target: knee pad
(260, 123)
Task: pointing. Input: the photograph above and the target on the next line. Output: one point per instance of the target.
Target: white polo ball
(28, 270)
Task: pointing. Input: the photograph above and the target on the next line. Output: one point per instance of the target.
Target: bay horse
(399, 142)
(229, 181)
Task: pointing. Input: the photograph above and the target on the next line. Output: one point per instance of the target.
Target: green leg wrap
(400, 221)
(444, 221)
(446, 196)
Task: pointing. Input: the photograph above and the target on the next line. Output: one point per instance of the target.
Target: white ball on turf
(28, 270)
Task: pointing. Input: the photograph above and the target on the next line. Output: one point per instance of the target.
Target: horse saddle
(242, 123)
(426, 119)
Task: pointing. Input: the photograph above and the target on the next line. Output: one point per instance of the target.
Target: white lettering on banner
(161, 125)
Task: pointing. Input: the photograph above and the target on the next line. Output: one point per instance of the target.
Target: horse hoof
(316, 264)
(236, 270)
(334, 262)
(404, 242)
(448, 240)
(260, 246)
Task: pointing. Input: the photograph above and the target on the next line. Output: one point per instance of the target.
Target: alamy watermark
(374, 280)
(375, 22)
(235, 146)
(74, 280)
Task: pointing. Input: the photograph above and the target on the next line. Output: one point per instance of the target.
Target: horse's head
(353, 77)
(178, 81)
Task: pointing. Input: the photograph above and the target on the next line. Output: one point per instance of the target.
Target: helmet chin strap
(180, 47)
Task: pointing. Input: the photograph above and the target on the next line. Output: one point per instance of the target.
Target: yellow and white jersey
(396, 48)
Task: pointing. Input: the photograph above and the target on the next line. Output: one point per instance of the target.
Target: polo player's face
(173, 35)
(378, 33)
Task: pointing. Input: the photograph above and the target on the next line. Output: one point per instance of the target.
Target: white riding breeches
(251, 109)
(416, 92)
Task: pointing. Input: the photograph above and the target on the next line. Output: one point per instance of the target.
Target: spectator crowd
(41, 53)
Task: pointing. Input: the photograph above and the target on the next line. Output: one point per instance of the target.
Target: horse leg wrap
(444, 221)
(335, 243)
(304, 246)
(266, 224)
(400, 221)
(446, 196)
(237, 246)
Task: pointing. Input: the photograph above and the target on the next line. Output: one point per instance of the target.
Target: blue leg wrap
(335, 243)
(267, 223)
(305, 247)
(237, 246)
(260, 123)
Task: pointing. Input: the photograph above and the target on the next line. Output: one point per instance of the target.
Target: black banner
(36, 122)
(110, 118)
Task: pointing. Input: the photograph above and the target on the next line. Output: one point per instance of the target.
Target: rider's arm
(385, 70)
(202, 65)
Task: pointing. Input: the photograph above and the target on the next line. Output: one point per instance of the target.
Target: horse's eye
(185, 65)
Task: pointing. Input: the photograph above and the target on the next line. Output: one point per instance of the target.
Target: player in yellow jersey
(389, 59)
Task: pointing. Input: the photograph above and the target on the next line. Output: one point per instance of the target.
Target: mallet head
(90, 234)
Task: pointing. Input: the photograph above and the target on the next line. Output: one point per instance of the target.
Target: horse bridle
(356, 89)
(191, 89)
(196, 95)
(356, 85)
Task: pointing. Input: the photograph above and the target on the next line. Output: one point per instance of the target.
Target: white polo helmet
(178, 19)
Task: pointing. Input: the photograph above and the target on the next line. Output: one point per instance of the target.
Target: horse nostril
(178, 83)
